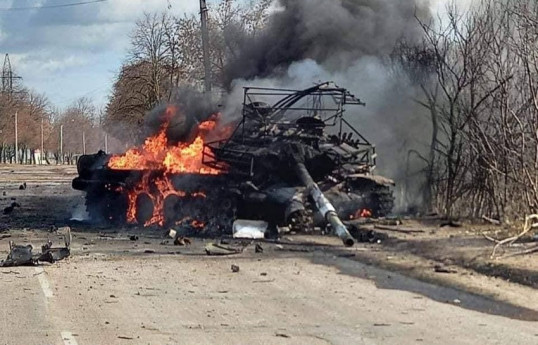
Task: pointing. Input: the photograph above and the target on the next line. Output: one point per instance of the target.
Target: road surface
(293, 298)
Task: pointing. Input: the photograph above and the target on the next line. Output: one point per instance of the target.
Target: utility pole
(62, 144)
(205, 47)
(106, 143)
(83, 142)
(42, 143)
(16, 137)
(8, 77)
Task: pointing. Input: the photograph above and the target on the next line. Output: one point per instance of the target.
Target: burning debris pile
(295, 163)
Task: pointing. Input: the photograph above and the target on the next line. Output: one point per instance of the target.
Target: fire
(365, 213)
(197, 224)
(159, 154)
(361, 213)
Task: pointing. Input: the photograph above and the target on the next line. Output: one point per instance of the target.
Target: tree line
(33, 131)
(478, 73)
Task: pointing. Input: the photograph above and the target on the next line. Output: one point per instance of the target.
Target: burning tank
(294, 160)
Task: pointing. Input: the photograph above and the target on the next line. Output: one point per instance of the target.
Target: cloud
(63, 44)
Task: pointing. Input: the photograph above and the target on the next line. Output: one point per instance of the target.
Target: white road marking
(68, 338)
(44, 282)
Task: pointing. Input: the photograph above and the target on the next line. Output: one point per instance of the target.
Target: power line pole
(16, 137)
(62, 144)
(83, 142)
(205, 46)
(7, 76)
(42, 143)
(106, 143)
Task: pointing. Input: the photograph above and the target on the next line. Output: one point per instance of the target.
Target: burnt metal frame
(340, 96)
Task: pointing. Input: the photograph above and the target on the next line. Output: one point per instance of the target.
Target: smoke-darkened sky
(70, 52)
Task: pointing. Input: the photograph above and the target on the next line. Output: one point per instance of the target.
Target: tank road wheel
(144, 208)
(382, 200)
(172, 207)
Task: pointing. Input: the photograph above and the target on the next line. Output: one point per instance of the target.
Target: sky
(72, 52)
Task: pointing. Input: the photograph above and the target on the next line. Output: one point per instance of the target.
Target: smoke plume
(348, 42)
(333, 33)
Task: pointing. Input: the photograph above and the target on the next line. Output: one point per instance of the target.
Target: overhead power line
(51, 6)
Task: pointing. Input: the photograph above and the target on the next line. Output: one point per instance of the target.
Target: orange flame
(361, 213)
(158, 154)
(197, 224)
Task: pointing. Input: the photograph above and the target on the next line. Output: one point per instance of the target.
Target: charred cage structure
(294, 160)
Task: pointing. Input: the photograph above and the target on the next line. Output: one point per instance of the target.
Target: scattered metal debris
(218, 249)
(443, 269)
(249, 229)
(282, 335)
(22, 255)
(258, 248)
(182, 241)
(9, 209)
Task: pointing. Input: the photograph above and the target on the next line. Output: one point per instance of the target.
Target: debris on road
(22, 186)
(125, 337)
(443, 269)
(9, 209)
(19, 255)
(258, 248)
(235, 268)
(172, 233)
(249, 229)
(218, 249)
(366, 235)
(133, 238)
(182, 241)
(22, 255)
(282, 335)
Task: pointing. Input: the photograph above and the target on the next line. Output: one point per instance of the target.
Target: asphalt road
(111, 292)
(195, 299)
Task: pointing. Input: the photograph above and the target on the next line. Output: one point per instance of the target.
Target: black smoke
(334, 33)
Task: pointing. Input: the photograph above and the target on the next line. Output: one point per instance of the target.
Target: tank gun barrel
(324, 206)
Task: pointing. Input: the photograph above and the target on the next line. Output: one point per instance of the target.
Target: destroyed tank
(308, 126)
(294, 160)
